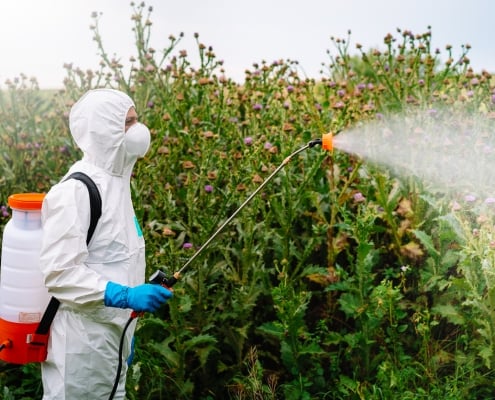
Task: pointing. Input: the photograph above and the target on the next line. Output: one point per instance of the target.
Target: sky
(39, 36)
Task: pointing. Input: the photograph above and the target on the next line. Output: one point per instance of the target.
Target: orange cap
(26, 201)
(327, 141)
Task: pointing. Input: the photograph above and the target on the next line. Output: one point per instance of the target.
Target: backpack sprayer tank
(23, 296)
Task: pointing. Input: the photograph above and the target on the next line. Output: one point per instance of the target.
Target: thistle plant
(340, 280)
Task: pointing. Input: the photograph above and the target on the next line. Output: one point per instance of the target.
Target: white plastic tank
(23, 296)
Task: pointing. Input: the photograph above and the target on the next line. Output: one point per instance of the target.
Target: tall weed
(339, 281)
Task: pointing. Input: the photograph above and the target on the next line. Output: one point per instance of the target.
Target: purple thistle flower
(4, 211)
(248, 141)
(456, 206)
(490, 200)
(359, 198)
(257, 107)
(268, 146)
(470, 198)
(208, 188)
(187, 245)
(290, 88)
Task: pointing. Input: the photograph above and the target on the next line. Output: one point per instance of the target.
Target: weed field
(340, 280)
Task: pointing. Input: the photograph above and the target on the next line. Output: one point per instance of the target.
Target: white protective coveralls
(84, 340)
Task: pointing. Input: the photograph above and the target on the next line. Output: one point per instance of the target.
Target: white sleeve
(65, 219)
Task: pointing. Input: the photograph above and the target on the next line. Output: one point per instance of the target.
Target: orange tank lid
(26, 201)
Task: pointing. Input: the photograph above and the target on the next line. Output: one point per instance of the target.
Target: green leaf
(427, 243)
(350, 304)
(454, 224)
(274, 329)
(171, 356)
(288, 358)
(199, 340)
(449, 312)
(486, 354)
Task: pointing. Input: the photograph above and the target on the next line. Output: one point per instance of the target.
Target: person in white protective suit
(98, 285)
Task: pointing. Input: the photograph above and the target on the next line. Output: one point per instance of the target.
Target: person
(100, 283)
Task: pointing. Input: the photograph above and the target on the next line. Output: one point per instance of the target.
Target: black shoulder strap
(94, 201)
(95, 206)
(46, 321)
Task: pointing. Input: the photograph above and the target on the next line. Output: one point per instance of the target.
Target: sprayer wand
(160, 278)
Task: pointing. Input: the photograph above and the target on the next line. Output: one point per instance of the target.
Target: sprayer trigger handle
(169, 282)
(160, 278)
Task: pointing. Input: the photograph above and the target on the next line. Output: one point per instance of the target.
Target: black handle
(160, 278)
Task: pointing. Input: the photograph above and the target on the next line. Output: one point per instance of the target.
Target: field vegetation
(340, 280)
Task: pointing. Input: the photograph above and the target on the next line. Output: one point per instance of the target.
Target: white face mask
(137, 140)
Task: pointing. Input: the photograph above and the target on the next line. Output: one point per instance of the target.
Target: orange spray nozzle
(327, 141)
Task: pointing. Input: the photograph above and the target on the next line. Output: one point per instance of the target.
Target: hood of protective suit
(97, 123)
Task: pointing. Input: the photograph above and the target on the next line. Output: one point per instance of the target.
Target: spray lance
(160, 278)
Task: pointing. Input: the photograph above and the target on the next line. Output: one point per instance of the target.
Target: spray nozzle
(326, 142)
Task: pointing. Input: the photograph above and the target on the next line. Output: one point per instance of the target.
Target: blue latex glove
(146, 297)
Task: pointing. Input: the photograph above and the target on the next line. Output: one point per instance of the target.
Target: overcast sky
(39, 36)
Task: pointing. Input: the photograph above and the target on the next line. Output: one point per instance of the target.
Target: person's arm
(66, 219)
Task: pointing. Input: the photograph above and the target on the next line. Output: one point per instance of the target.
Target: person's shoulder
(66, 192)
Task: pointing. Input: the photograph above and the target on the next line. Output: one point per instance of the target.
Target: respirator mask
(137, 140)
